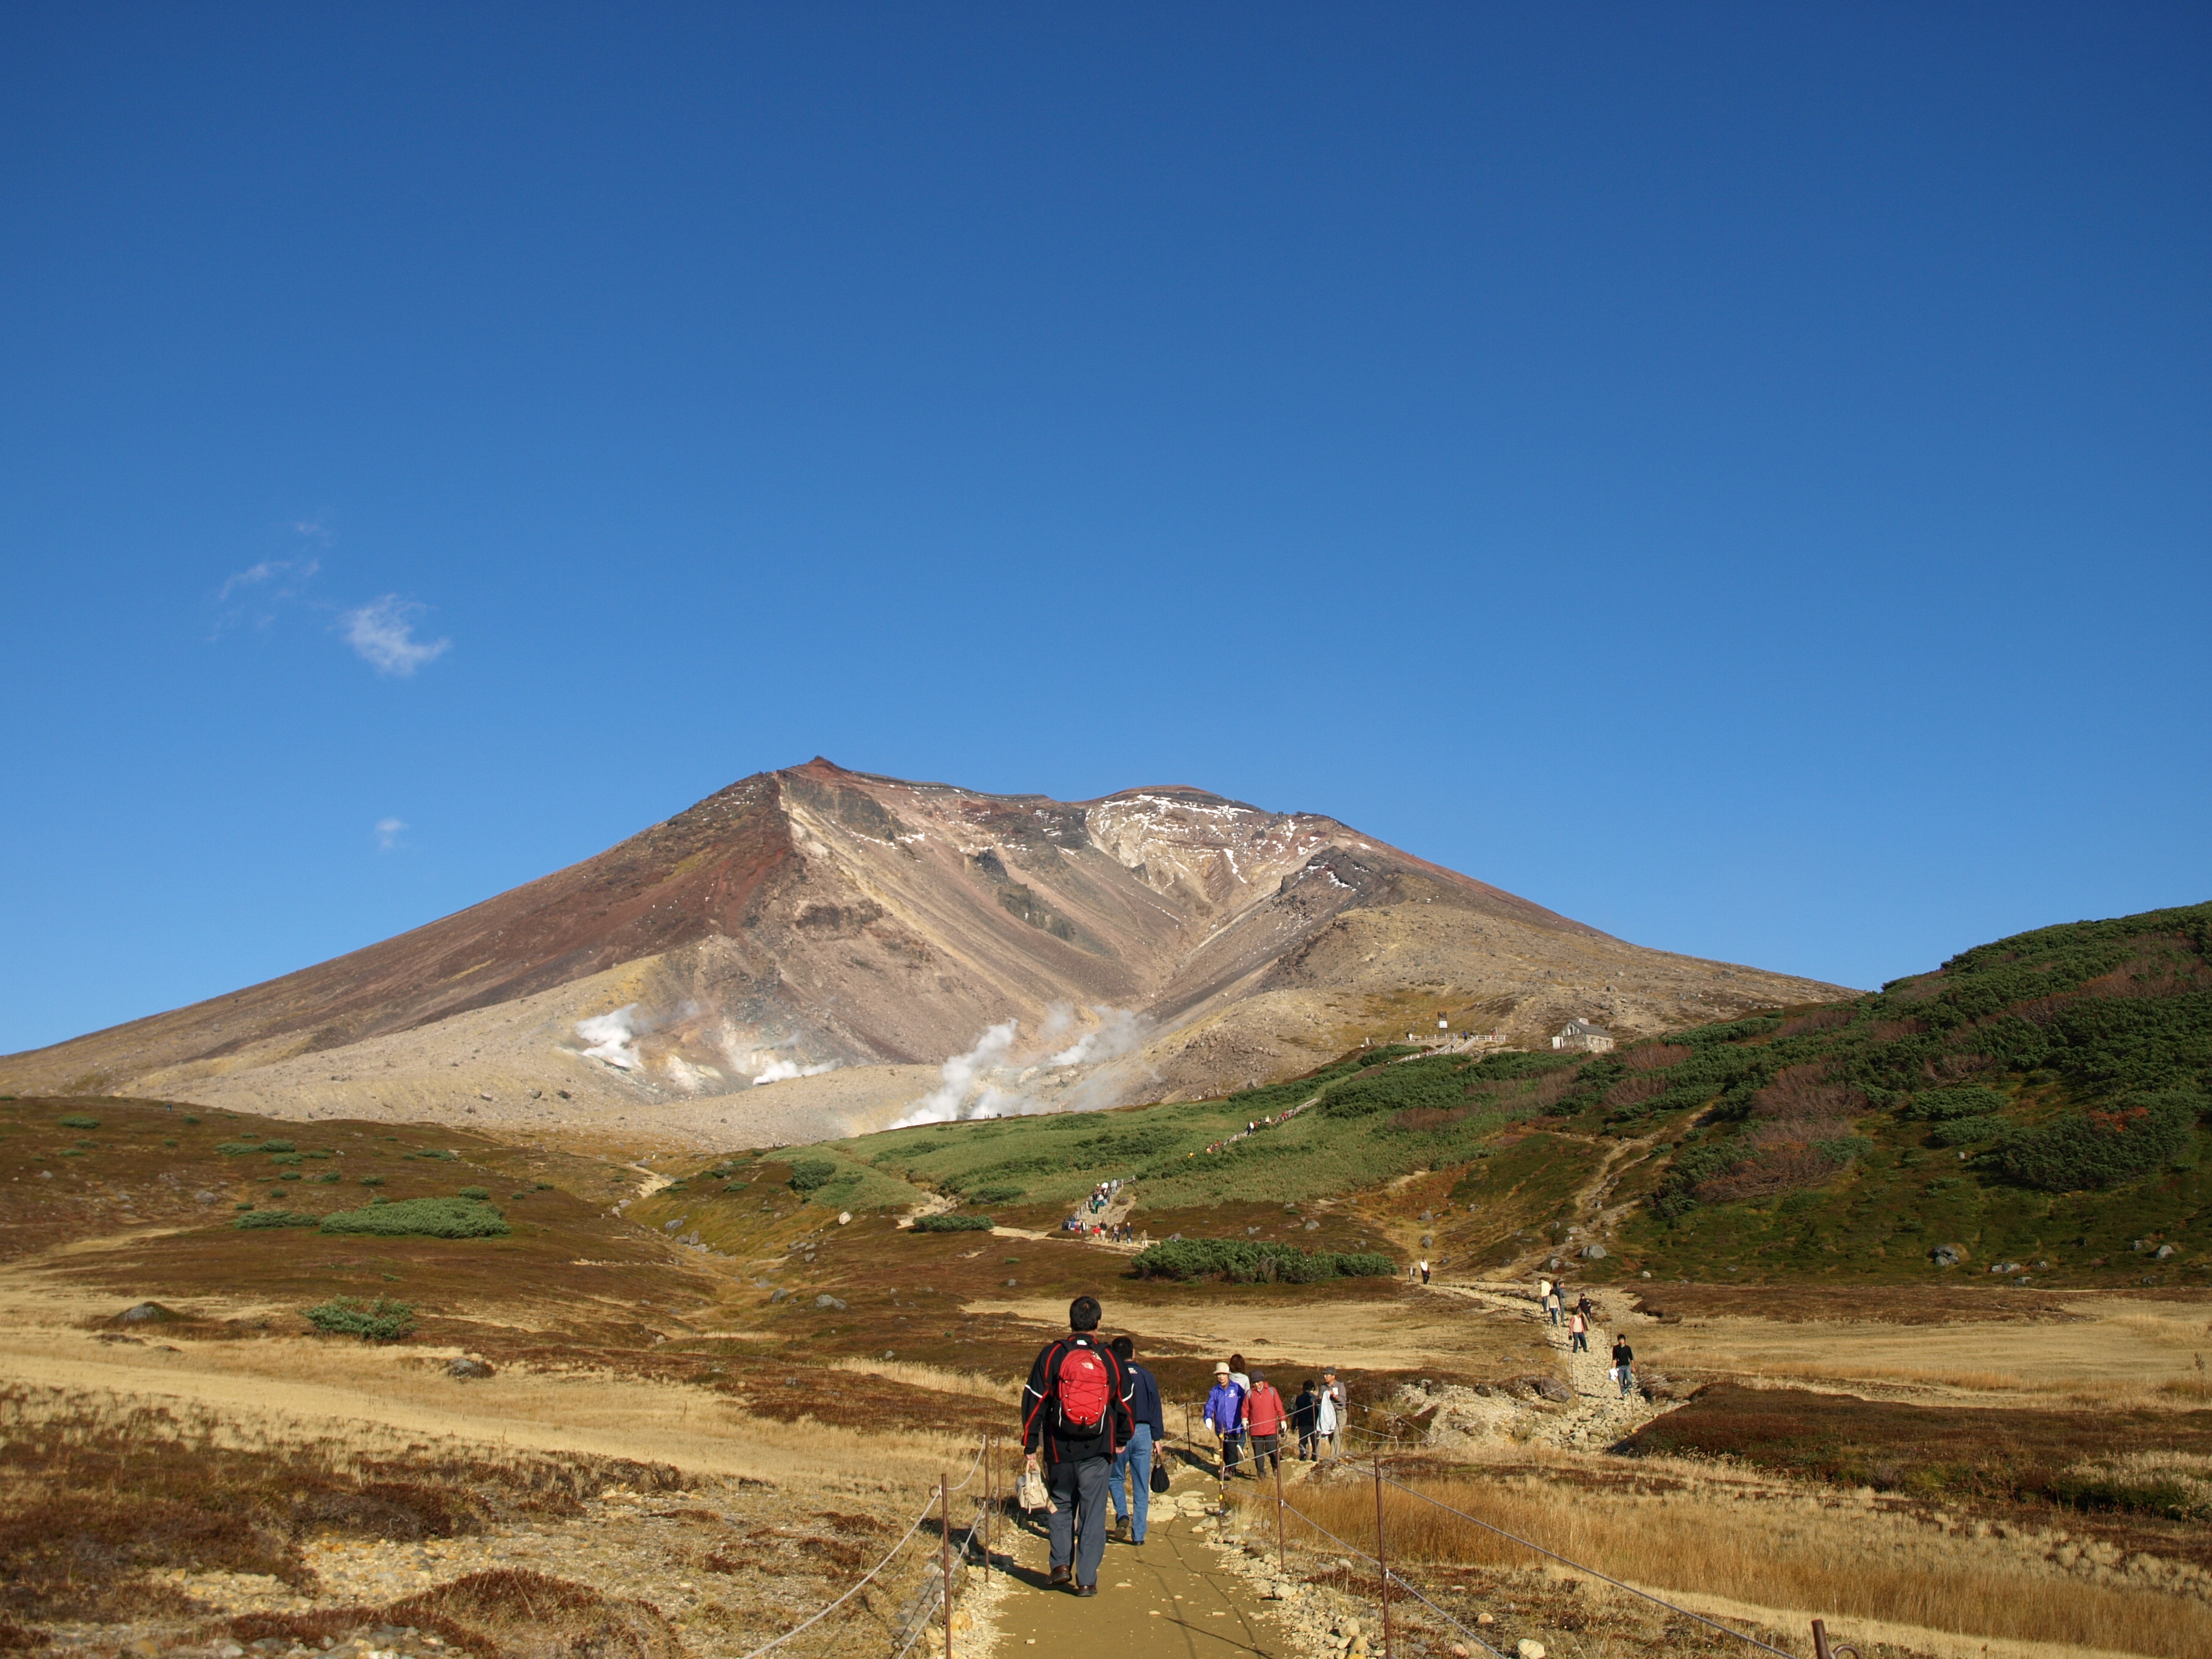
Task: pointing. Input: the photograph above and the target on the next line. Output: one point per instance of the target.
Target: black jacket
(1037, 1432)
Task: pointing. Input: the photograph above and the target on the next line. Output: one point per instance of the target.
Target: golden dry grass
(1777, 1552)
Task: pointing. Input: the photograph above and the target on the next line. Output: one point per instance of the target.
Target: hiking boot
(1062, 1575)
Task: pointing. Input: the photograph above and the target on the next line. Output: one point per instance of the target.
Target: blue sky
(1736, 475)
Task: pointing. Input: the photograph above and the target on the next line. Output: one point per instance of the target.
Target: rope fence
(933, 1603)
(1393, 1579)
(936, 1595)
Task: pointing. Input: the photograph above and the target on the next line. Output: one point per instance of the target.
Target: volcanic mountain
(880, 949)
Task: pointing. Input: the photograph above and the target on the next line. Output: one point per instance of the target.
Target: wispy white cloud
(388, 831)
(382, 635)
(276, 579)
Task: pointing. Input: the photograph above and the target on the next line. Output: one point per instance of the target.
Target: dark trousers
(1580, 1342)
(1078, 1524)
(1265, 1448)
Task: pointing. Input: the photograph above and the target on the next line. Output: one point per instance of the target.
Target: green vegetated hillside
(2035, 1103)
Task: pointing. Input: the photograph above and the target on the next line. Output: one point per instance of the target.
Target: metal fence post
(1381, 1556)
(1282, 1550)
(990, 1503)
(945, 1553)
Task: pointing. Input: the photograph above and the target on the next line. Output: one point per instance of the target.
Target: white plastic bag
(1030, 1491)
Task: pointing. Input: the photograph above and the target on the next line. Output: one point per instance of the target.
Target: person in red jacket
(1264, 1417)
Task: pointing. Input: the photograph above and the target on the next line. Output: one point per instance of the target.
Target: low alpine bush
(377, 1320)
(422, 1218)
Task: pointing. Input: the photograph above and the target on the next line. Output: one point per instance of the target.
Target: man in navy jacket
(1150, 1430)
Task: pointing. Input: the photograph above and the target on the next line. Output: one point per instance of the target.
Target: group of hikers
(1577, 1318)
(1091, 1425)
(1248, 1415)
(1101, 1196)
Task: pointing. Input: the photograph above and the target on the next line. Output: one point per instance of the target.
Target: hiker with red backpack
(1075, 1416)
(1264, 1416)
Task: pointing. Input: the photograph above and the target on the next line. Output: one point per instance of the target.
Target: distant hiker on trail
(1578, 1332)
(1552, 1305)
(1237, 1372)
(1305, 1414)
(1224, 1415)
(1075, 1416)
(1149, 1431)
(1624, 1361)
(1424, 1270)
(1585, 1306)
(1336, 1407)
(1264, 1417)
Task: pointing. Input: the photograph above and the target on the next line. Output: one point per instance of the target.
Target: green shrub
(810, 1173)
(237, 1148)
(377, 1320)
(79, 1121)
(289, 1174)
(257, 1219)
(193, 1121)
(1965, 1131)
(953, 1224)
(1254, 1262)
(2087, 1150)
(422, 1218)
(547, 1186)
(996, 1195)
(1943, 1104)
(330, 1175)
(438, 1153)
(475, 1192)
(372, 1181)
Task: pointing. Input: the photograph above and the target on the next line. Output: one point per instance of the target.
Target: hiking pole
(945, 1553)
(1381, 1557)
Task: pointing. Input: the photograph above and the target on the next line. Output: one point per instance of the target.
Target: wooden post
(1381, 1556)
(1282, 1550)
(990, 1491)
(945, 1554)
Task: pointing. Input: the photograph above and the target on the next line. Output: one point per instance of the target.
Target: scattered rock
(779, 1294)
(844, 1217)
(148, 1313)
(468, 1366)
(1593, 1252)
(2163, 1251)
(1528, 1648)
(1012, 1283)
(1484, 1619)
(1551, 1389)
(1948, 1256)
(826, 1300)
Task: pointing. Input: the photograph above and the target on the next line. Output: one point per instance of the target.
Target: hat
(1259, 1376)
(1221, 1368)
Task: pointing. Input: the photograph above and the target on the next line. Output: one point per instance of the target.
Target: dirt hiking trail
(1170, 1596)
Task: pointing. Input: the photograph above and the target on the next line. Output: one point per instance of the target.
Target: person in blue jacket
(1144, 1439)
(1224, 1415)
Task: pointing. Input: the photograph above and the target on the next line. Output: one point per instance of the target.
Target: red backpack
(1082, 1392)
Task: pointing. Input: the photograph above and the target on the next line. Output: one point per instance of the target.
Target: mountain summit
(907, 945)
